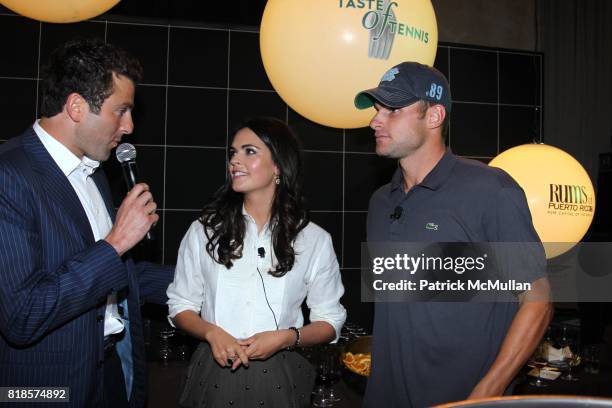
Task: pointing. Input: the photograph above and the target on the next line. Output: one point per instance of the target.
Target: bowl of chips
(356, 360)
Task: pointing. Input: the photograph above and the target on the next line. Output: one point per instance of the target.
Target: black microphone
(126, 155)
(261, 252)
(397, 213)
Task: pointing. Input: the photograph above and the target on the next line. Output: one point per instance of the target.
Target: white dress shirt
(79, 171)
(234, 298)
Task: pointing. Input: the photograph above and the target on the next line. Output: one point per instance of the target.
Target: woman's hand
(225, 347)
(262, 345)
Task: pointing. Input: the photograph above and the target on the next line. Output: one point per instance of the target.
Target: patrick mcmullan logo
(381, 21)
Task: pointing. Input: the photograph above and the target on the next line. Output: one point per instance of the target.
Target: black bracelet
(298, 338)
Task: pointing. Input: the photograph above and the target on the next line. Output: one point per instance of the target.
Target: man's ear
(76, 107)
(435, 116)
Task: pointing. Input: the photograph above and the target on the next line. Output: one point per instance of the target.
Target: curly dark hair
(84, 66)
(223, 220)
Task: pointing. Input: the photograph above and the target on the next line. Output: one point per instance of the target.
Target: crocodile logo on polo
(431, 226)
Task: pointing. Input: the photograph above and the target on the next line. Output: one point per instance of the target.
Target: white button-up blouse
(235, 298)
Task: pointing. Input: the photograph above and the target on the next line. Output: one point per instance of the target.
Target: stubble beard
(389, 152)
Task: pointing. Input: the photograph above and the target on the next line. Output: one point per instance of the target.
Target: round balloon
(59, 11)
(319, 54)
(559, 192)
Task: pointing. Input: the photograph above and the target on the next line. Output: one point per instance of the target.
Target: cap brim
(387, 97)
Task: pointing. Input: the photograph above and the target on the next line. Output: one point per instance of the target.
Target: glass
(564, 341)
(182, 349)
(539, 360)
(591, 358)
(548, 339)
(571, 353)
(334, 370)
(165, 351)
(351, 331)
(573, 359)
(328, 374)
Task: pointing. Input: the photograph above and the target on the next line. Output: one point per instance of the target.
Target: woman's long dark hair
(223, 220)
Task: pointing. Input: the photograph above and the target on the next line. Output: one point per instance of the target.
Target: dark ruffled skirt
(285, 380)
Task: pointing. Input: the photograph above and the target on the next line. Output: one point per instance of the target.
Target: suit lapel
(131, 356)
(56, 184)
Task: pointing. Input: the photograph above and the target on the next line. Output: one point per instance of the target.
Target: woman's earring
(277, 180)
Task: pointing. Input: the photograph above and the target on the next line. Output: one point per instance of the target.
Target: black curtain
(576, 39)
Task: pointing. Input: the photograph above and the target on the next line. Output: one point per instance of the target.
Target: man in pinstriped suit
(69, 292)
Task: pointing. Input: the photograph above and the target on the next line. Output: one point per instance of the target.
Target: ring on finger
(230, 359)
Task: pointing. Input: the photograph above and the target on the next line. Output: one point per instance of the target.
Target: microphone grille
(125, 152)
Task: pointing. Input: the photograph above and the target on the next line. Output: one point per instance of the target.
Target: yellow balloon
(559, 192)
(319, 54)
(59, 11)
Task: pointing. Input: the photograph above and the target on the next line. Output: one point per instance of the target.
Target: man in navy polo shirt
(430, 353)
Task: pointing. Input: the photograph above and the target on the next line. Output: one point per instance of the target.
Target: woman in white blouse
(243, 271)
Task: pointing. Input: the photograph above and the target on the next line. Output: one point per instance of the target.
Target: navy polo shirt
(430, 353)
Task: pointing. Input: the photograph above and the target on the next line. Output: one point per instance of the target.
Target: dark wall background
(499, 23)
(202, 80)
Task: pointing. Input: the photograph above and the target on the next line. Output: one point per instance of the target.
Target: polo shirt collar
(435, 178)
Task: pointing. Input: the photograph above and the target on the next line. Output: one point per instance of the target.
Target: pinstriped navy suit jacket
(54, 280)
